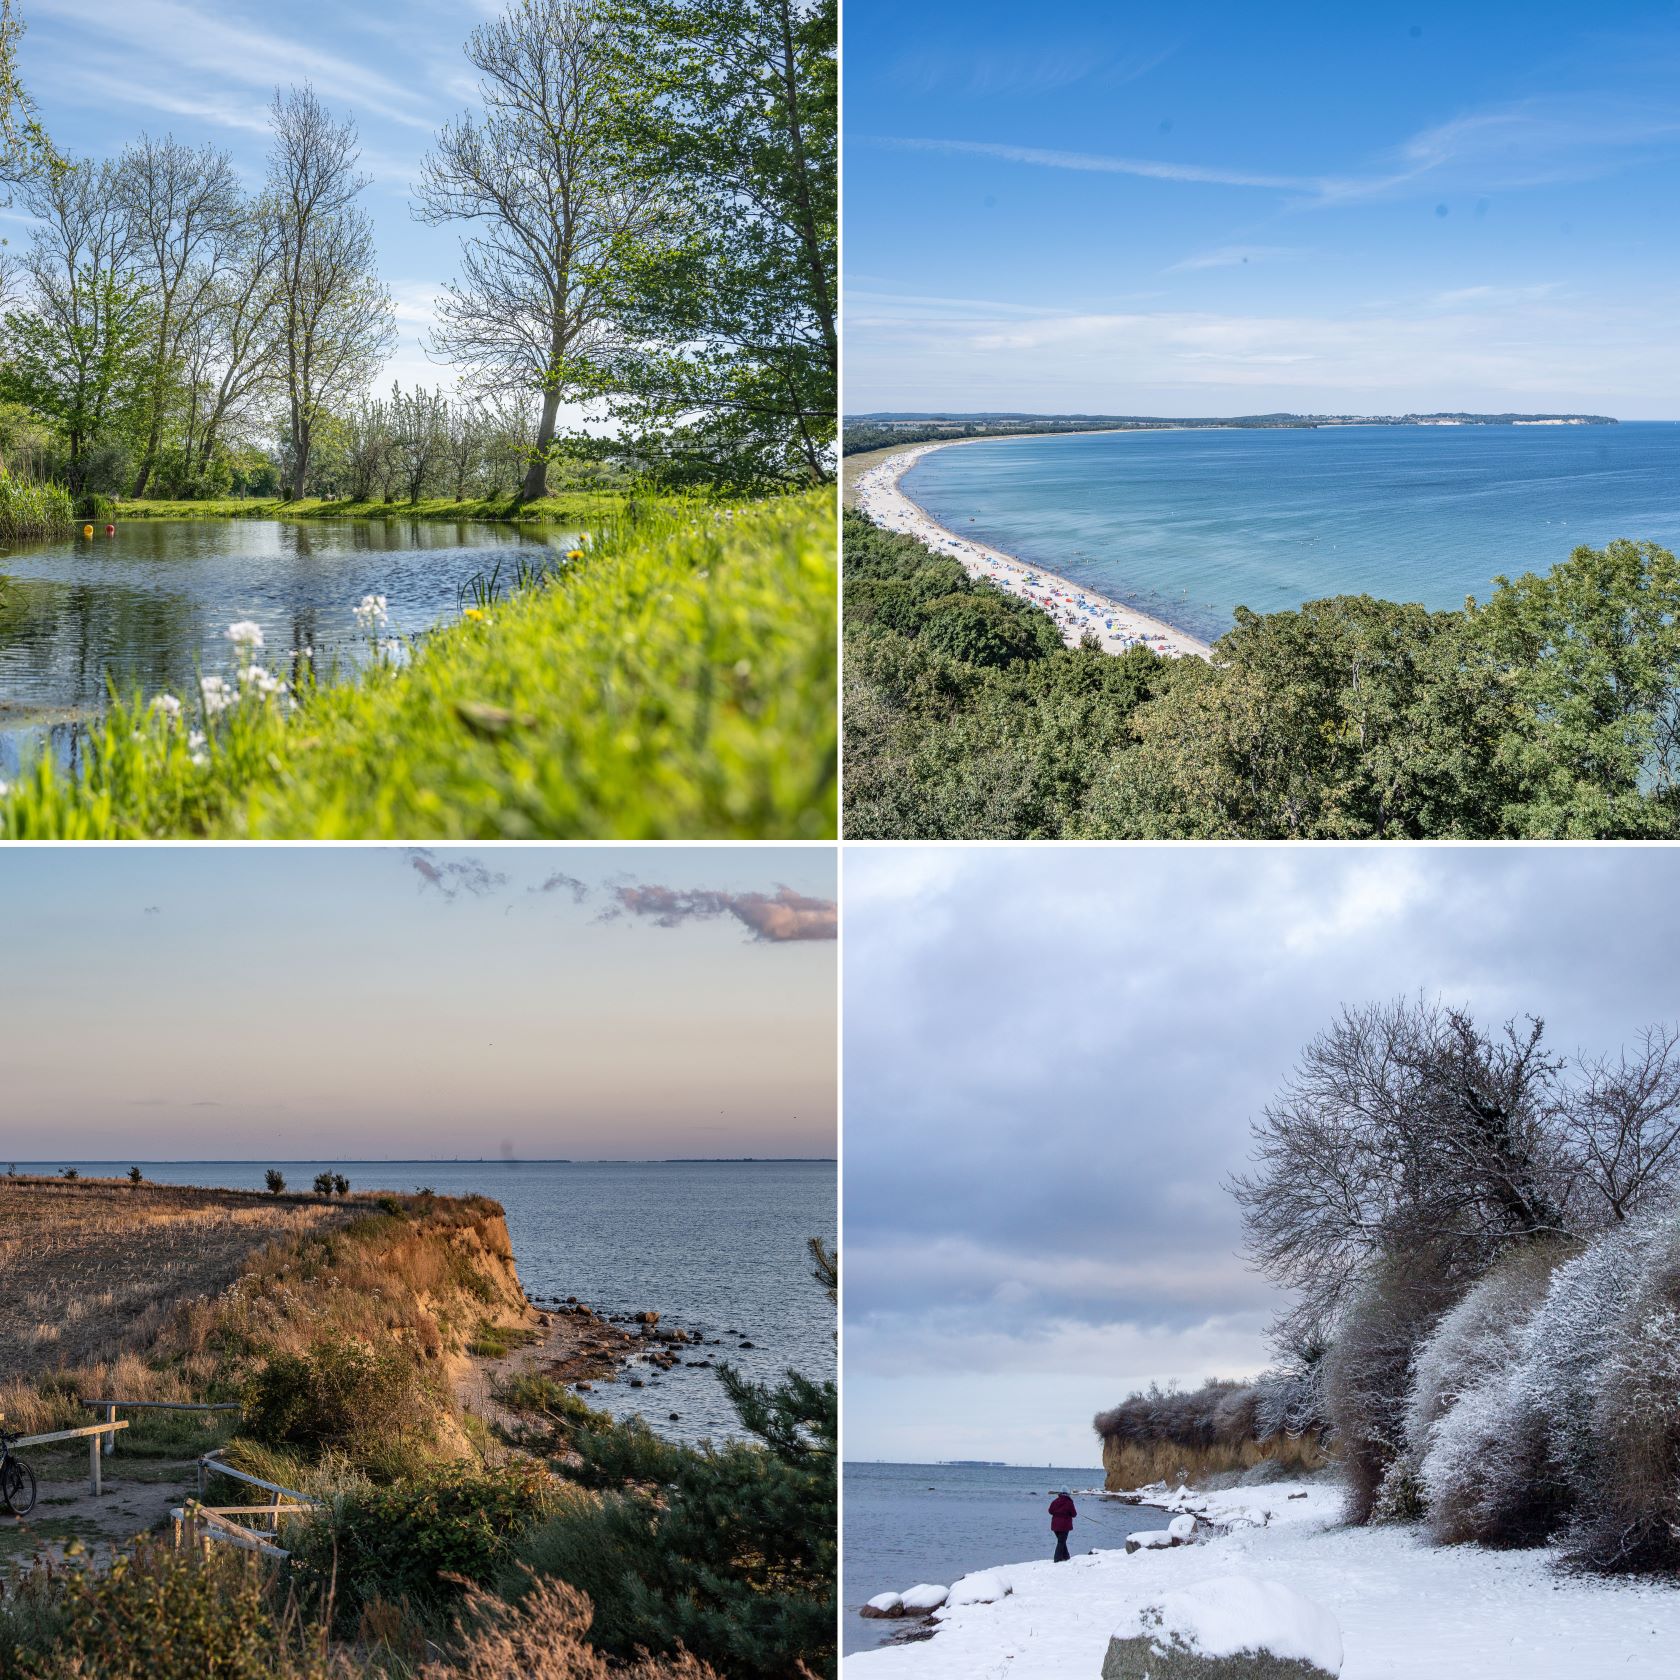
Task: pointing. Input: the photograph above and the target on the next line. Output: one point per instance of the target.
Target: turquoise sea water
(1190, 525)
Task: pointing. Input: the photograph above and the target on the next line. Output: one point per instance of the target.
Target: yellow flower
(574, 554)
(472, 612)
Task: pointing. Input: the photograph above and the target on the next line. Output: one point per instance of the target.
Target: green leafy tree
(77, 355)
(323, 1184)
(1590, 655)
(729, 108)
(275, 1180)
(134, 1175)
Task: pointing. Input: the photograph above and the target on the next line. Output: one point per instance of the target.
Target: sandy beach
(1077, 611)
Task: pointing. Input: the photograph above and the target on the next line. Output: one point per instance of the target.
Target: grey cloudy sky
(1052, 1055)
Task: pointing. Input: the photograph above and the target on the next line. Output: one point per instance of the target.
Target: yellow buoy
(87, 530)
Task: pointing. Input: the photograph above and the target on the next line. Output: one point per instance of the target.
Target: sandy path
(1078, 612)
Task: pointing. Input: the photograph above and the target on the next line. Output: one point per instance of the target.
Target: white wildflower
(372, 614)
(168, 705)
(247, 633)
(217, 695)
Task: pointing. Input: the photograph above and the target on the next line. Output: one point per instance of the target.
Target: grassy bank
(677, 681)
(574, 509)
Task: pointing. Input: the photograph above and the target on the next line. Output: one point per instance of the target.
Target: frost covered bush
(1467, 1445)
(1632, 1520)
(1558, 1416)
(1368, 1370)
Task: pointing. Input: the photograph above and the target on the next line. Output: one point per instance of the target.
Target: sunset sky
(364, 1002)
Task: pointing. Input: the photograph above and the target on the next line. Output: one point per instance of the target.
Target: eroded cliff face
(1132, 1464)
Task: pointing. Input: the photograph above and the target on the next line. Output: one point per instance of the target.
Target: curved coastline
(1077, 611)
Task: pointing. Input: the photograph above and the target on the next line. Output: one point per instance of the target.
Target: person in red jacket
(1062, 1513)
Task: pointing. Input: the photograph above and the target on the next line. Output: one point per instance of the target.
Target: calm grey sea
(716, 1246)
(1190, 525)
(908, 1523)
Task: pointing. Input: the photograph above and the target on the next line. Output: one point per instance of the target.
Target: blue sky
(103, 70)
(1217, 209)
(251, 1002)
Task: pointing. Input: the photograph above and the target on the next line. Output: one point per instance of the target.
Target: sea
(909, 1523)
(1189, 525)
(714, 1246)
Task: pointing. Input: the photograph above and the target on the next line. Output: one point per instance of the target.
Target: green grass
(573, 508)
(677, 682)
(495, 1341)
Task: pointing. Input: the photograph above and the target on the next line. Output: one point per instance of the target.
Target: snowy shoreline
(1077, 611)
(1407, 1610)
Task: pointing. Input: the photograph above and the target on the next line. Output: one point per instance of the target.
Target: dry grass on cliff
(163, 1293)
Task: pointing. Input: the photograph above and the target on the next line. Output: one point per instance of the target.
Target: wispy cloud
(453, 876)
(560, 882)
(173, 48)
(1096, 163)
(1529, 143)
(783, 917)
(1236, 256)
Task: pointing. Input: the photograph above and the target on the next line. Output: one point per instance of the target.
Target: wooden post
(111, 1439)
(93, 1464)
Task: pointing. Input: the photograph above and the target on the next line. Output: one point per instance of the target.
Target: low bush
(160, 1611)
(364, 1401)
(419, 1542)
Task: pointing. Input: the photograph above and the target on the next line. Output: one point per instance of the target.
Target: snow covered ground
(1407, 1610)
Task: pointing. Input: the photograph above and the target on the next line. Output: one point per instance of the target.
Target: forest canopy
(1551, 710)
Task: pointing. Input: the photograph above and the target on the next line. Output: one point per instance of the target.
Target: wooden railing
(111, 1407)
(93, 1432)
(207, 1523)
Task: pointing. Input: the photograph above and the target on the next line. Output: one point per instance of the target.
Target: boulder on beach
(1235, 1627)
(984, 1586)
(1182, 1528)
(924, 1598)
(1149, 1540)
(884, 1604)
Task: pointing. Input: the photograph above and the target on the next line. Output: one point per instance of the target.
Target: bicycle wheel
(17, 1487)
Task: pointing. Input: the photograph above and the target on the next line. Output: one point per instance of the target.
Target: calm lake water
(149, 608)
(908, 1523)
(1189, 525)
(716, 1246)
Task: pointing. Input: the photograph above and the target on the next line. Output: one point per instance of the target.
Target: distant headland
(884, 430)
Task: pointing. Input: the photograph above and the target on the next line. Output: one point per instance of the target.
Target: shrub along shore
(677, 679)
(572, 509)
(562, 1545)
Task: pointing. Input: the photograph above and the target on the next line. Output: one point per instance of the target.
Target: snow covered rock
(924, 1598)
(884, 1604)
(1181, 1528)
(1236, 1627)
(984, 1586)
(1149, 1540)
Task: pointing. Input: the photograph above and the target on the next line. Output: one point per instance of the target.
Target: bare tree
(368, 445)
(335, 313)
(233, 357)
(71, 352)
(464, 451)
(1404, 1126)
(183, 208)
(420, 435)
(1624, 1121)
(534, 175)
